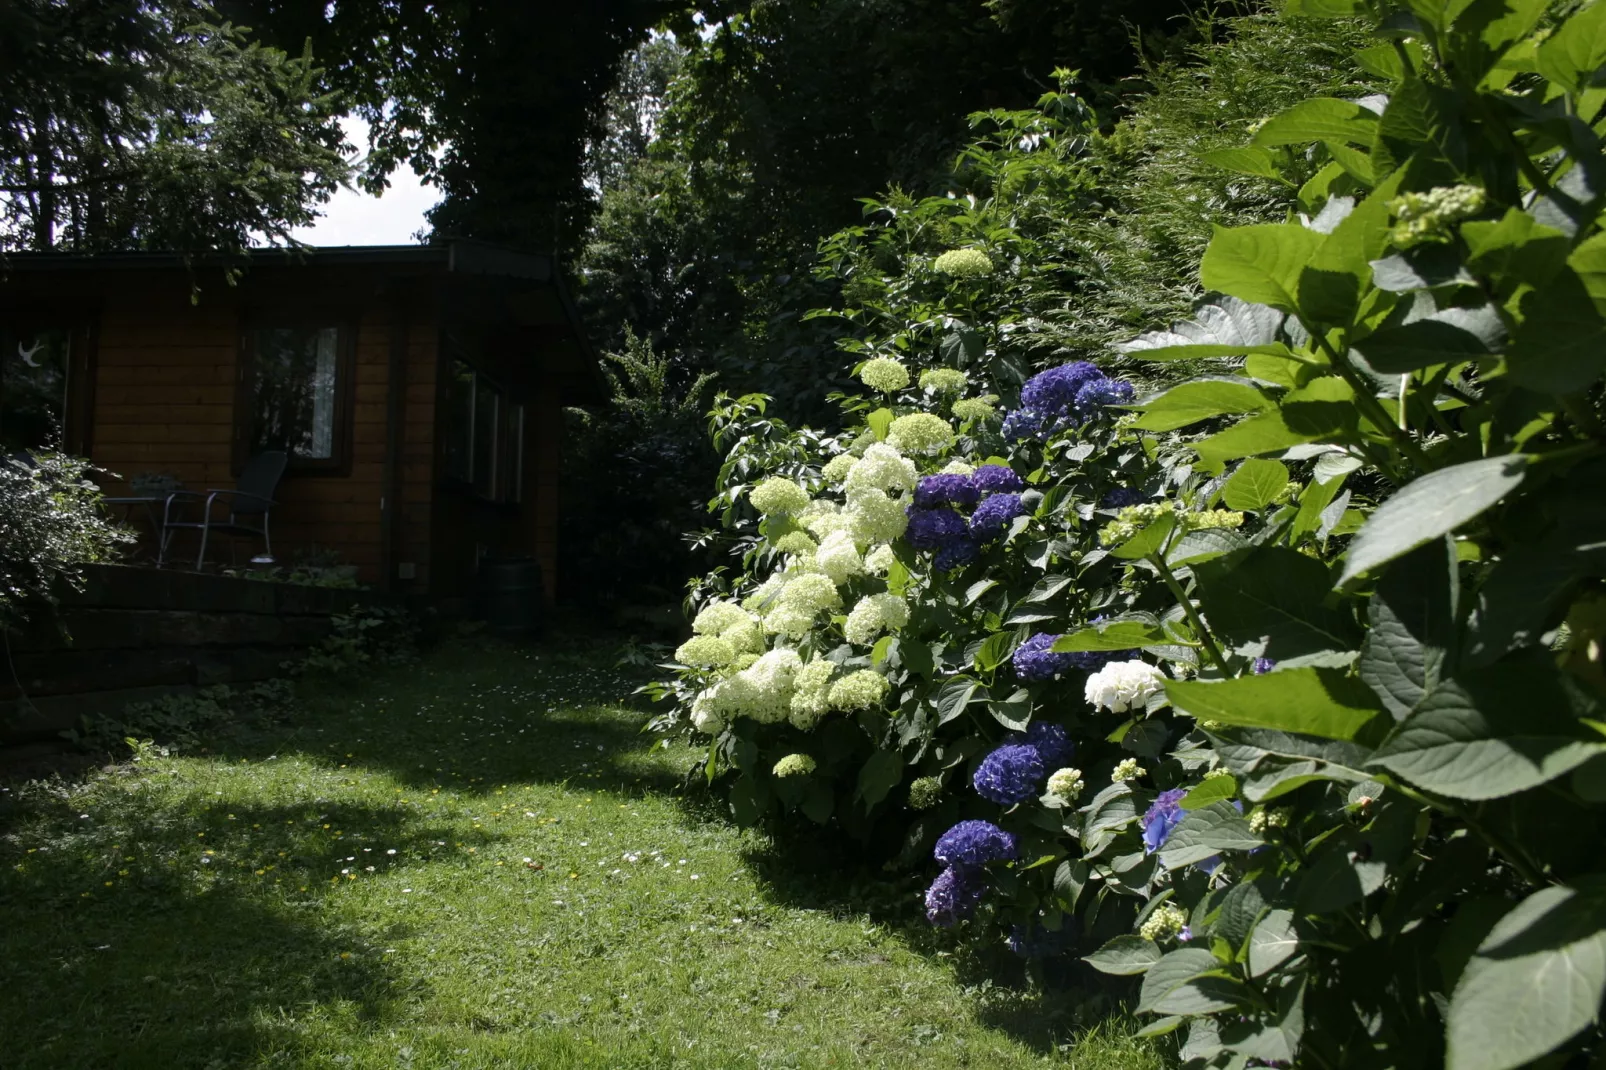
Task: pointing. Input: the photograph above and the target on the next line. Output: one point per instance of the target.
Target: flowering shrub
(1325, 628)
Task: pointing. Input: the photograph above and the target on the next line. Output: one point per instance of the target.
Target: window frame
(345, 327)
(78, 405)
(507, 488)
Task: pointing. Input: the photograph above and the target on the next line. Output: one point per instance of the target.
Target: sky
(354, 218)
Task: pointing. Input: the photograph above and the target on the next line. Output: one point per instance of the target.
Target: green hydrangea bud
(1126, 769)
(1165, 923)
(964, 264)
(794, 765)
(1424, 217)
(924, 792)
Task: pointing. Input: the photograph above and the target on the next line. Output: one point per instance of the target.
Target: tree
(148, 125)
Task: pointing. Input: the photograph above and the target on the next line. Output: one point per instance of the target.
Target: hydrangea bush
(1322, 631)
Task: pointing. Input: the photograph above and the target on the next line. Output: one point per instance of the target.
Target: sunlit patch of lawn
(479, 861)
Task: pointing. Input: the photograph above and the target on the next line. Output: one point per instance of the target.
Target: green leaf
(1535, 982)
(1560, 345)
(1331, 285)
(1429, 507)
(1046, 588)
(1112, 635)
(1255, 485)
(1277, 597)
(1248, 160)
(1203, 545)
(1413, 619)
(1323, 9)
(1319, 119)
(818, 801)
(1147, 541)
(1187, 981)
(1210, 790)
(1124, 956)
(994, 651)
(1014, 712)
(1268, 764)
(954, 696)
(747, 800)
(1205, 832)
(878, 422)
(1173, 970)
(1259, 263)
(1448, 337)
(881, 773)
(1571, 56)
(1198, 400)
(1313, 701)
(1272, 943)
(1494, 732)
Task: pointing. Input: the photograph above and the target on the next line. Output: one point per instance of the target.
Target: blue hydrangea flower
(1158, 821)
(1010, 774)
(953, 896)
(932, 529)
(975, 843)
(1263, 665)
(1033, 660)
(991, 516)
(1055, 391)
(1121, 497)
(1039, 942)
(1052, 743)
(996, 479)
(1095, 394)
(961, 551)
(1023, 423)
(945, 489)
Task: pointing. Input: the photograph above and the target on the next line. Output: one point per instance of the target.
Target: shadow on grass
(129, 943)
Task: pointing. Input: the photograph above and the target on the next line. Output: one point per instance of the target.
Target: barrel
(511, 595)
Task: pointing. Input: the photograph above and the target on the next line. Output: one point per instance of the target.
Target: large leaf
(954, 696)
(1268, 764)
(1112, 635)
(1124, 956)
(1332, 283)
(1259, 263)
(1206, 832)
(1430, 507)
(1494, 732)
(1535, 982)
(1255, 485)
(1319, 119)
(1312, 701)
(1572, 55)
(1446, 337)
(1199, 399)
(880, 774)
(1276, 597)
(1272, 943)
(1560, 346)
(1174, 972)
(1413, 620)
(1247, 160)
(1222, 327)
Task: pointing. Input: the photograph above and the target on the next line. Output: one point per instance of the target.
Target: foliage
(180, 721)
(151, 126)
(1328, 615)
(634, 473)
(365, 636)
(535, 911)
(51, 525)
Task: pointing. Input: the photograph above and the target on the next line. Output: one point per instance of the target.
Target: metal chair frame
(254, 497)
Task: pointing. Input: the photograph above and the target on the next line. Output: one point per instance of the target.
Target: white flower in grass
(1124, 685)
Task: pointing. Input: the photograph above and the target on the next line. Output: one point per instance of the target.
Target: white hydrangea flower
(704, 717)
(884, 374)
(788, 621)
(765, 594)
(705, 651)
(1066, 784)
(717, 617)
(864, 623)
(1126, 769)
(879, 560)
(958, 468)
(894, 610)
(920, 432)
(762, 691)
(881, 468)
(809, 701)
(859, 690)
(838, 558)
(778, 497)
(837, 468)
(796, 542)
(745, 638)
(1124, 685)
(876, 517)
(823, 517)
(810, 592)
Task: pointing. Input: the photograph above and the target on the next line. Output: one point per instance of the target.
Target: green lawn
(479, 861)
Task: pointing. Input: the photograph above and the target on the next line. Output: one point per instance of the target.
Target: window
(35, 373)
(294, 394)
(483, 441)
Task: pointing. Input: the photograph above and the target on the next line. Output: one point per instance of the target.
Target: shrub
(1321, 631)
(51, 525)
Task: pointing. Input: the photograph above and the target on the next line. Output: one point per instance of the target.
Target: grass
(478, 861)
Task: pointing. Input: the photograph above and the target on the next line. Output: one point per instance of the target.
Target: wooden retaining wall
(136, 633)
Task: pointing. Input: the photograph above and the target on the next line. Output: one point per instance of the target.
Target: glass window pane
(513, 454)
(485, 419)
(294, 392)
(33, 390)
(458, 422)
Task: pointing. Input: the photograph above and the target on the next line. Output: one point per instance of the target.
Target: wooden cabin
(417, 390)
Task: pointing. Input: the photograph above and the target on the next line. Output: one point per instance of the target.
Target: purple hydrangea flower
(933, 491)
(990, 517)
(1010, 774)
(961, 551)
(1053, 745)
(1023, 423)
(932, 529)
(1095, 394)
(1033, 660)
(975, 843)
(1055, 391)
(1263, 665)
(1158, 821)
(1121, 497)
(1040, 942)
(996, 479)
(953, 896)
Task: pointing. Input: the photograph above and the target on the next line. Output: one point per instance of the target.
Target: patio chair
(249, 505)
